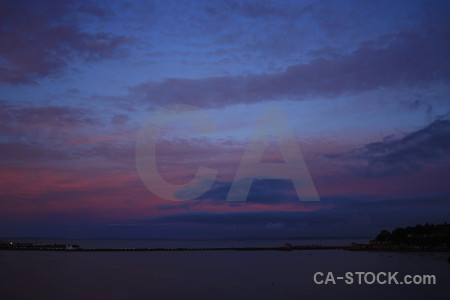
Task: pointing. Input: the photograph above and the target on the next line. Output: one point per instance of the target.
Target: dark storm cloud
(40, 38)
(429, 145)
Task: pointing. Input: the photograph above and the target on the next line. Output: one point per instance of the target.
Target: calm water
(192, 243)
(211, 274)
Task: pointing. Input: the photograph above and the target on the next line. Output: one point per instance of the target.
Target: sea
(218, 274)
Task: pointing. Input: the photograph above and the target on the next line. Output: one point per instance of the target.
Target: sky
(150, 119)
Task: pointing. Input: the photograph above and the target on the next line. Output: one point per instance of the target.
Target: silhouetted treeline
(422, 235)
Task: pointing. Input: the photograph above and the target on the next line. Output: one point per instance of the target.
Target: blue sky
(364, 85)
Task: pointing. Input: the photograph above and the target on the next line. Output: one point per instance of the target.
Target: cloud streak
(395, 156)
(38, 40)
(343, 214)
(384, 62)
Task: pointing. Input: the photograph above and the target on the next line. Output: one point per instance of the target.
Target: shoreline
(353, 247)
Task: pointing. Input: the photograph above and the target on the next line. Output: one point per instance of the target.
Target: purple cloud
(44, 131)
(381, 63)
(393, 156)
(14, 117)
(39, 40)
(350, 215)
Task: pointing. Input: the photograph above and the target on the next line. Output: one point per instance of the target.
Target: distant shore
(12, 246)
